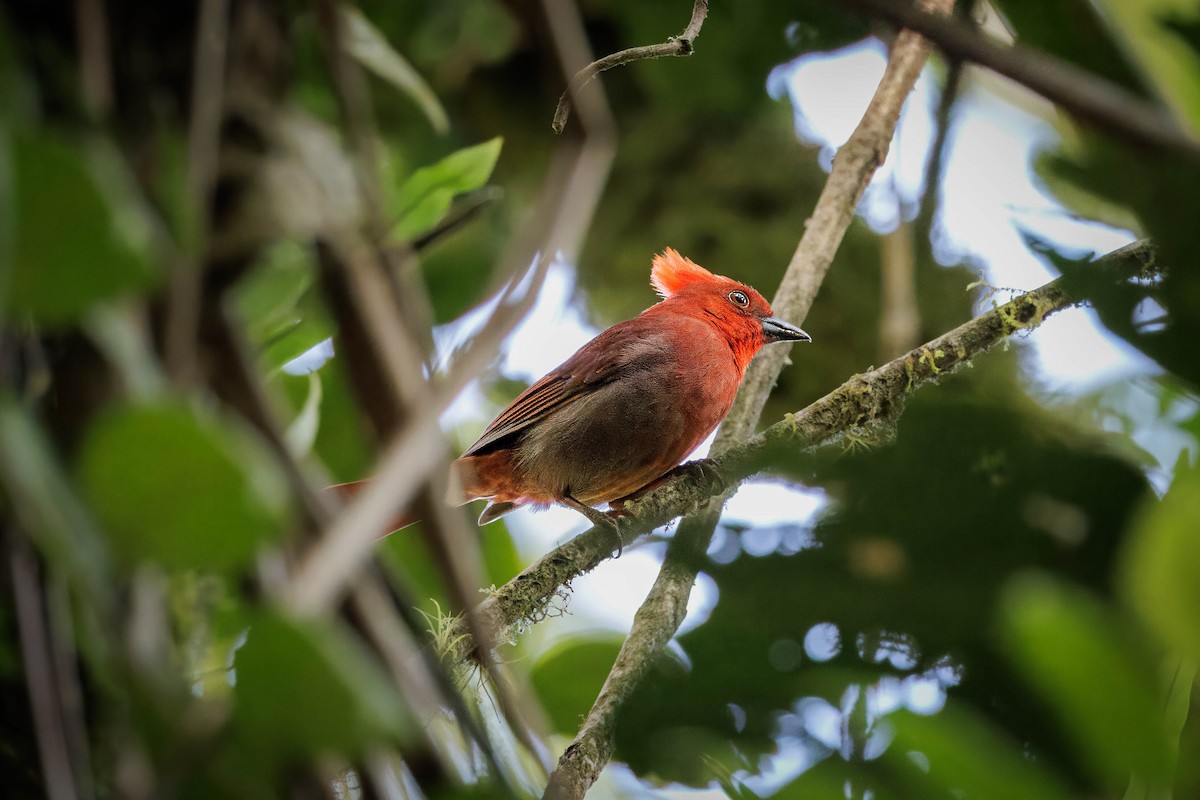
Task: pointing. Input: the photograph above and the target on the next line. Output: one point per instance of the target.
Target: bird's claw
(601, 519)
(705, 469)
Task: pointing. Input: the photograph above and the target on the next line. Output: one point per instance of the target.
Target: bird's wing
(626, 347)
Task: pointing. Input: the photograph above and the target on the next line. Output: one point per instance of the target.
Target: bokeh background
(995, 597)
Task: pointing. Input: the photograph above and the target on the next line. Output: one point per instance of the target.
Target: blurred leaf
(967, 757)
(185, 490)
(303, 686)
(302, 433)
(426, 196)
(340, 443)
(78, 239)
(1093, 674)
(366, 43)
(569, 677)
(1173, 64)
(280, 306)
(47, 506)
(1163, 562)
(835, 779)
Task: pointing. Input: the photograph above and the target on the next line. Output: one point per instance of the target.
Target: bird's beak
(776, 330)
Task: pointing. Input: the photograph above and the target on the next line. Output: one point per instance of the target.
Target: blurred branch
(868, 398)
(385, 301)
(681, 45)
(203, 142)
(460, 214)
(36, 639)
(951, 88)
(95, 56)
(1078, 91)
(899, 316)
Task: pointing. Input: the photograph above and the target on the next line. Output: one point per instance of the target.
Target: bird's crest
(671, 272)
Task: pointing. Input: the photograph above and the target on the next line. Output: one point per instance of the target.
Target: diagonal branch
(663, 609)
(681, 45)
(872, 397)
(1081, 93)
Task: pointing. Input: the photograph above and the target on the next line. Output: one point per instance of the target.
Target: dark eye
(739, 299)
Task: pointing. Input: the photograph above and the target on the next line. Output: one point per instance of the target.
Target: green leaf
(1163, 561)
(966, 757)
(568, 678)
(279, 305)
(182, 489)
(366, 43)
(425, 197)
(79, 238)
(1087, 669)
(1171, 63)
(304, 686)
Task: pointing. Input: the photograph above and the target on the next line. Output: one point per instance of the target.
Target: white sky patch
(989, 196)
(829, 92)
(761, 503)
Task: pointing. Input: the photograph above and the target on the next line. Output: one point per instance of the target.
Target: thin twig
(1083, 94)
(864, 399)
(681, 45)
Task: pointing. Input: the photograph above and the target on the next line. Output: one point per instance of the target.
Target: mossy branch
(869, 398)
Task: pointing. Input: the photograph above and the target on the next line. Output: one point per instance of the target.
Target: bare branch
(681, 45)
(853, 168)
(1081, 93)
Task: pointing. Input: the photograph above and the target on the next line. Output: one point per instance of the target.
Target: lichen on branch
(875, 397)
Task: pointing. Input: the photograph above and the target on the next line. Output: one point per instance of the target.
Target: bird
(615, 419)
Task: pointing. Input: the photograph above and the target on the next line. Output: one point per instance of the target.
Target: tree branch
(662, 612)
(1081, 93)
(872, 397)
(681, 45)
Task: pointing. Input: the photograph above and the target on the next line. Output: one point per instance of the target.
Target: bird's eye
(739, 299)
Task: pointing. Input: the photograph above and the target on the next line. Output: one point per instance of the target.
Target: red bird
(620, 414)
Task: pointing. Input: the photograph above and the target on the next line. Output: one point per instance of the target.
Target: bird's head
(737, 310)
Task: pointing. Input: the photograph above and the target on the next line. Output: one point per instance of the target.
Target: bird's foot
(608, 520)
(703, 469)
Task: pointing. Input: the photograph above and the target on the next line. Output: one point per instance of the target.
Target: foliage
(998, 597)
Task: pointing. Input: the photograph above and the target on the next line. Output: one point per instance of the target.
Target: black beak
(776, 330)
